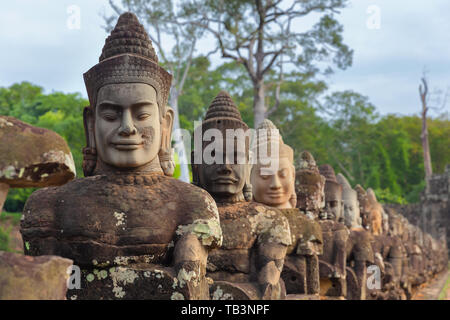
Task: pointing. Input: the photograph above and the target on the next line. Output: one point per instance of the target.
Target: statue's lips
(221, 180)
(275, 194)
(127, 145)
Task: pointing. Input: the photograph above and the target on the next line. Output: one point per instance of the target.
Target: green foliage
(14, 217)
(385, 196)
(4, 239)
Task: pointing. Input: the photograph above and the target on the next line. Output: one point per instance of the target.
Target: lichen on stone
(208, 231)
(270, 227)
(177, 296)
(188, 276)
(220, 295)
(120, 216)
(121, 276)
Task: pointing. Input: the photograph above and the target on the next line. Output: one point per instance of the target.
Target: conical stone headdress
(348, 194)
(333, 190)
(309, 184)
(363, 200)
(265, 137)
(223, 114)
(128, 57)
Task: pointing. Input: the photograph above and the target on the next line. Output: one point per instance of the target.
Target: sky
(45, 43)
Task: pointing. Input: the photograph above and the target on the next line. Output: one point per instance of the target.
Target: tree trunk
(426, 148)
(182, 157)
(259, 106)
(4, 188)
(423, 91)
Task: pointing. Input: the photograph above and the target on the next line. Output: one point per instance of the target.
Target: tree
(423, 91)
(160, 20)
(429, 101)
(263, 36)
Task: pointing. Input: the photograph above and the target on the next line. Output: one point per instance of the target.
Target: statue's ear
(88, 120)
(195, 173)
(165, 151)
(89, 152)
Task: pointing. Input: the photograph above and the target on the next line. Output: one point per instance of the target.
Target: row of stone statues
(240, 231)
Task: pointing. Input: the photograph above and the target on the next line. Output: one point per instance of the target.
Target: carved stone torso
(359, 246)
(332, 232)
(109, 220)
(245, 224)
(306, 233)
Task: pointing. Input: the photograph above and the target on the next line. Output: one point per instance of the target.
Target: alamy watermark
(230, 146)
(74, 280)
(373, 22)
(373, 277)
(73, 21)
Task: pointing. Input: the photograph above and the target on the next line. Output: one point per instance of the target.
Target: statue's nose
(127, 127)
(275, 182)
(225, 169)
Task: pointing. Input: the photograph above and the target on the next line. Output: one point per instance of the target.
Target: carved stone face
(333, 201)
(226, 179)
(274, 189)
(351, 212)
(377, 219)
(127, 125)
(395, 226)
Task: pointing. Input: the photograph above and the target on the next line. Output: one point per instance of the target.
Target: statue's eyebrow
(109, 105)
(142, 103)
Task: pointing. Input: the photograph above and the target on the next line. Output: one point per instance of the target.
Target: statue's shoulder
(190, 197)
(185, 189)
(41, 204)
(269, 223)
(361, 235)
(198, 212)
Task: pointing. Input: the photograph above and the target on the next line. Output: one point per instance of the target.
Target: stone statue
(359, 244)
(255, 236)
(394, 253)
(376, 213)
(417, 263)
(309, 186)
(335, 236)
(275, 188)
(135, 232)
(365, 207)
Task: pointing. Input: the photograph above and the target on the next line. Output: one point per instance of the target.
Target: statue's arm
(272, 246)
(38, 225)
(195, 239)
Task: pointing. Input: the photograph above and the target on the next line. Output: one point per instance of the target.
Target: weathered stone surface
(332, 264)
(33, 278)
(301, 267)
(33, 157)
(277, 189)
(309, 186)
(107, 219)
(245, 226)
(139, 281)
(255, 236)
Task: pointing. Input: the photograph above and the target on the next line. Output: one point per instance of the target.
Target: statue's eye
(143, 116)
(264, 176)
(283, 173)
(109, 116)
